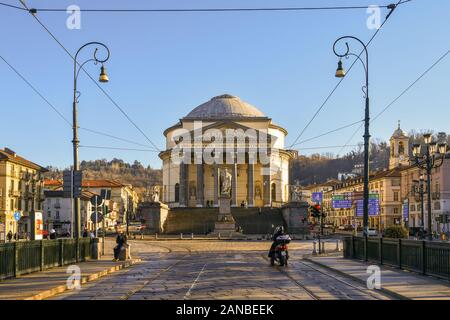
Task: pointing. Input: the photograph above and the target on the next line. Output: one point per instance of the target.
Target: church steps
(201, 220)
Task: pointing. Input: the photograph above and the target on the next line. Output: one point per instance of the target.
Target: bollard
(218, 236)
(156, 236)
(192, 236)
(181, 235)
(314, 250)
(323, 247)
(142, 236)
(337, 246)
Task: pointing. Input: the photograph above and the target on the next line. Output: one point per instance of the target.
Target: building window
(396, 196)
(274, 192)
(177, 192)
(437, 205)
(412, 208)
(395, 210)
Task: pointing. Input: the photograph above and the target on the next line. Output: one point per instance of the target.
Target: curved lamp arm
(95, 59)
(348, 53)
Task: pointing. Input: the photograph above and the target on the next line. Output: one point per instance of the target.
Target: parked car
(349, 227)
(372, 232)
(342, 228)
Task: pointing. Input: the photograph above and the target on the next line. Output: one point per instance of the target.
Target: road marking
(194, 283)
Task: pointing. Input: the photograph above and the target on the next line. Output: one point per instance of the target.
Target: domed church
(225, 133)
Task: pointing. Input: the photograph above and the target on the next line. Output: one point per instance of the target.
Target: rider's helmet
(279, 229)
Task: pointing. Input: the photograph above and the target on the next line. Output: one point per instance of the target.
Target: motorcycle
(280, 253)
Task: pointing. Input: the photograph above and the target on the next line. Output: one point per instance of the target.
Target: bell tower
(399, 145)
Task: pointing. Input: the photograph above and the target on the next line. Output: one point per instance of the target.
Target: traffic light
(315, 210)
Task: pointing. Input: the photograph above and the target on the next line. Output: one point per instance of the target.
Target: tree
(396, 232)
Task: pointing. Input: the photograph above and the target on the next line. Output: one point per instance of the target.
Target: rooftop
(11, 156)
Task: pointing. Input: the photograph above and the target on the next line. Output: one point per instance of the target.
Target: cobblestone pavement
(220, 270)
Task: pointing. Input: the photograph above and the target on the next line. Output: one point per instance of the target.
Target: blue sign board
(17, 215)
(342, 204)
(341, 201)
(406, 210)
(374, 207)
(317, 197)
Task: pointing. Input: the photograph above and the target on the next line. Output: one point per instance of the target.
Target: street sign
(17, 215)
(74, 178)
(97, 200)
(406, 210)
(77, 183)
(374, 207)
(341, 201)
(67, 183)
(317, 197)
(97, 215)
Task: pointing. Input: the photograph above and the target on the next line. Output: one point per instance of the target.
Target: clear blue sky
(164, 64)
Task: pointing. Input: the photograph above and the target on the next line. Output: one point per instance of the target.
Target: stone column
(216, 185)
(200, 186)
(250, 184)
(234, 184)
(186, 184)
(266, 186)
(182, 185)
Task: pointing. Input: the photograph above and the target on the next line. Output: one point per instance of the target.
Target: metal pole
(96, 216)
(422, 211)
(366, 167)
(429, 167)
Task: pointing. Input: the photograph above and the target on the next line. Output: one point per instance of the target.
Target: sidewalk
(404, 284)
(41, 285)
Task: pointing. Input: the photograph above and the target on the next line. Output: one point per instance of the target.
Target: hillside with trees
(318, 168)
(135, 174)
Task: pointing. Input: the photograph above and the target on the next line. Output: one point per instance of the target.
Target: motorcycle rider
(277, 232)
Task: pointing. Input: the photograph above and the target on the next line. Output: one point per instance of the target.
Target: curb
(92, 277)
(384, 290)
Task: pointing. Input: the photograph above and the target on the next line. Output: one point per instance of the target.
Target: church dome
(399, 133)
(225, 107)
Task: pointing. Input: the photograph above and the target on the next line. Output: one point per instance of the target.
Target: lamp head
(442, 148)
(340, 72)
(103, 76)
(433, 147)
(427, 138)
(416, 150)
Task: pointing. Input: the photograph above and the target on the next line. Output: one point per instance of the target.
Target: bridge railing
(426, 257)
(23, 257)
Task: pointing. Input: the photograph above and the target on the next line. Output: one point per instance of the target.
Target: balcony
(14, 193)
(435, 195)
(57, 205)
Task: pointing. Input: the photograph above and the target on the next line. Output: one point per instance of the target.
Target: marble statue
(296, 193)
(225, 182)
(155, 194)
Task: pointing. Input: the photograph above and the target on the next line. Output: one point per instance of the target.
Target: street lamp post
(419, 190)
(103, 78)
(340, 73)
(432, 158)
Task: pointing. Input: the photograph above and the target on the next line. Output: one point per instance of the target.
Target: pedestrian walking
(10, 235)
